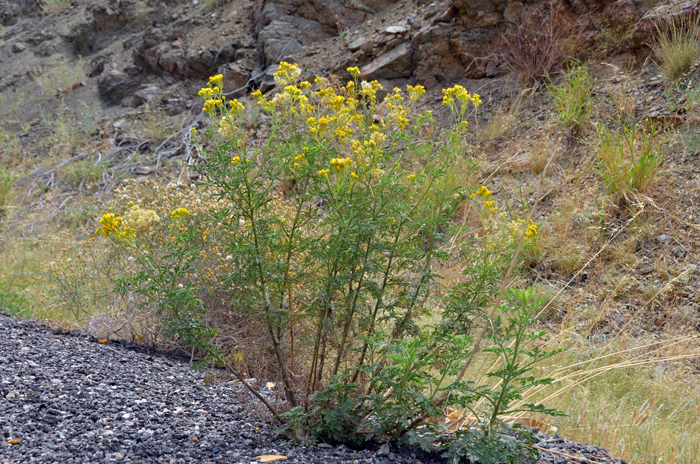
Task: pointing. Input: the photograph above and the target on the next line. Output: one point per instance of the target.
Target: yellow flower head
(305, 85)
(287, 74)
(256, 94)
(210, 105)
(128, 233)
(179, 213)
(206, 93)
(414, 93)
(354, 72)
(340, 163)
(110, 224)
(531, 230)
(217, 81)
(235, 160)
(483, 192)
(139, 218)
(236, 107)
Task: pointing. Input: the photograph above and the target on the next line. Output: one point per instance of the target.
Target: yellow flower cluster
(531, 230)
(414, 93)
(217, 81)
(139, 218)
(483, 192)
(369, 89)
(235, 160)
(111, 227)
(459, 93)
(179, 213)
(354, 72)
(340, 163)
(287, 74)
(210, 105)
(324, 172)
(110, 224)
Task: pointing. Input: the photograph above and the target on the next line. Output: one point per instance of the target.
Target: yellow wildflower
(483, 192)
(531, 230)
(217, 80)
(414, 93)
(235, 160)
(179, 213)
(206, 93)
(354, 71)
(110, 224)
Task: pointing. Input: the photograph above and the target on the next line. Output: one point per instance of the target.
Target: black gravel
(69, 399)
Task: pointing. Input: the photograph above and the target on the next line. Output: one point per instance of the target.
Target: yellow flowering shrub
(316, 251)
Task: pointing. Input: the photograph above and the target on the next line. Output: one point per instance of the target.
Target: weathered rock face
(434, 42)
(10, 10)
(284, 27)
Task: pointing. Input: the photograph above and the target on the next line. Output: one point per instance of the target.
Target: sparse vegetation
(62, 78)
(540, 45)
(629, 158)
(365, 248)
(54, 7)
(573, 98)
(677, 46)
(5, 193)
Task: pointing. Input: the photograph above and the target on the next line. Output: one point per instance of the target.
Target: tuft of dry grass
(54, 7)
(62, 78)
(629, 159)
(677, 46)
(504, 118)
(539, 46)
(632, 397)
(5, 193)
(573, 98)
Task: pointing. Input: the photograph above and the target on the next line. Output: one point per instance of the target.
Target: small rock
(663, 239)
(581, 220)
(393, 64)
(646, 269)
(145, 95)
(143, 170)
(268, 82)
(398, 29)
(679, 252)
(235, 79)
(19, 47)
(384, 450)
(356, 44)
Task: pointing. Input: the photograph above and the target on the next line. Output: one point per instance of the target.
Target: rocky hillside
(93, 92)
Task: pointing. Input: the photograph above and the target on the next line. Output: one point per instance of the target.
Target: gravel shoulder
(65, 398)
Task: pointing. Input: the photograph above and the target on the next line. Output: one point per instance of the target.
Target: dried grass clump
(677, 46)
(540, 45)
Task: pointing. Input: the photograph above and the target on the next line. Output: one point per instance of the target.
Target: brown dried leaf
(271, 457)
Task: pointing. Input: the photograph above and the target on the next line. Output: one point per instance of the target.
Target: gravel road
(65, 398)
